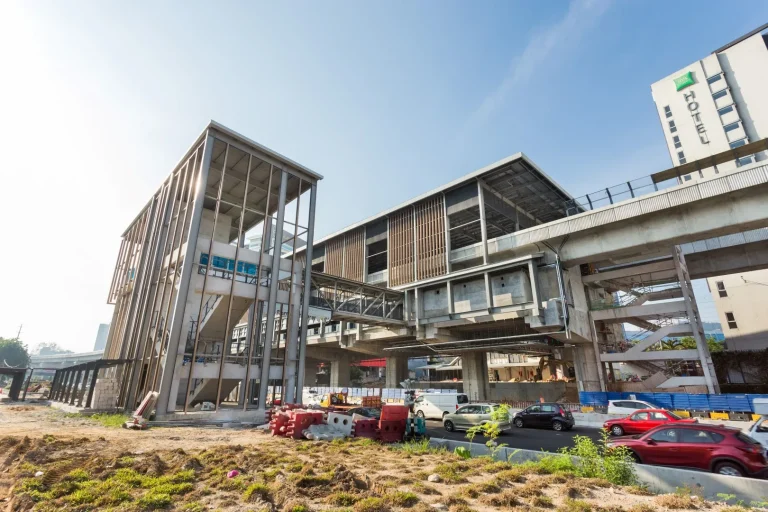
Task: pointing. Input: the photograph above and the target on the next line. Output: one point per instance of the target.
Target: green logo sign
(684, 81)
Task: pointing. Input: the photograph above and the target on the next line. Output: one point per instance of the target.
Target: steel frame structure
(169, 287)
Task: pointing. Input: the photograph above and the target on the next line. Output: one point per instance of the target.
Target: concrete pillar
(340, 370)
(587, 370)
(397, 371)
(474, 367)
(310, 372)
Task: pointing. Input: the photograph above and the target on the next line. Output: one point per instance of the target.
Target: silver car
(471, 415)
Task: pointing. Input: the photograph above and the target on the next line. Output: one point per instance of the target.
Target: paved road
(525, 438)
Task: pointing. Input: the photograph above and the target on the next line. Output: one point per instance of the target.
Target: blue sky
(385, 99)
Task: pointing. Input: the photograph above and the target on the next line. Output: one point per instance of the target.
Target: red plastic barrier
(300, 421)
(390, 412)
(391, 431)
(278, 423)
(365, 428)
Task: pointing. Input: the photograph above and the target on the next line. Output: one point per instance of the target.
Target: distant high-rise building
(101, 337)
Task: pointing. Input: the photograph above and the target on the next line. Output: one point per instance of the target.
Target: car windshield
(673, 415)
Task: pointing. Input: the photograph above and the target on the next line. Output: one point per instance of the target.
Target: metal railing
(617, 193)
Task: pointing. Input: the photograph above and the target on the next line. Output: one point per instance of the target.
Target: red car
(643, 421)
(715, 448)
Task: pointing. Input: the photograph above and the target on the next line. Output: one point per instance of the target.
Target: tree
(689, 343)
(51, 348)
(13, 353)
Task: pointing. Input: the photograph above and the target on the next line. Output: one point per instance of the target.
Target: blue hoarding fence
(680, 401)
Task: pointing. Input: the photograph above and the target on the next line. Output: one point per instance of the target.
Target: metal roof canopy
(517, 175)
(264, 157)
(710, 161)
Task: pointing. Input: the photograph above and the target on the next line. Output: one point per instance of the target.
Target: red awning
(372, 363)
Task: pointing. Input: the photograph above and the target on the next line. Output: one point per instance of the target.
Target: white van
(436, 405)
(628, 406)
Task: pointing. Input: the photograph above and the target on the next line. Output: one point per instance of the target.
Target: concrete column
(310, 372)
(474, 367)
(397, 371)
(587, 370)
(340, 370)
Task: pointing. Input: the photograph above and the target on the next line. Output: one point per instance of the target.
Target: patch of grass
(294, 467)
(637, 490)
(109, 420)
(81, 497)
(402, 499)
(507, 498)
(342, 499)
(542, 500)
(571, 505)
(461, 507)
(676, 501)
(496, 466)
(257, 489)
(452, 473)
(530, 489)
(195, 506)
(421, 447)
(126, 460)
(422, 488)
(642, 507)
(304, 481)
(734, 508)
(154, 500)
(514, 475)
(370, 505)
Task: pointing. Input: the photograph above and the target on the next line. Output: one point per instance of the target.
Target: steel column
(305, 295)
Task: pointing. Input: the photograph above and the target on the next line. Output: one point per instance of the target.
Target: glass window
(714, 79)
(486, 409)
(720, 94)
(738, 143)
(667, 435)
(741, 436)
(534, 408)
(547, 408)
(659, 416)
(730, 127)
(677, 142)
(745, 161)
(721, 289)
(638, 405)
(673, 415)
(672, 127)
(689, 435)
(687, 177)
(467, 409)
(762, 425)
(725, 110)
(419, 400)
(640, 416)
(462, 399)
(731, 321)
(667, 111)
(682, 161)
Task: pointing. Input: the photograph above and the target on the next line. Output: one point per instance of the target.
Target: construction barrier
(366, 428)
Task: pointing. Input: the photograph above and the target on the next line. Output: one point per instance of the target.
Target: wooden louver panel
(401, 269)
(430, 238)
(334, 256)
(353, 255)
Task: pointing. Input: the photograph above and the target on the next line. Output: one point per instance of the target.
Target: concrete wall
(746, 300)
(435, 302)
(469, 295)
(510, 288)
(527, 391)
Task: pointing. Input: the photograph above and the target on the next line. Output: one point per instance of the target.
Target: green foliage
(600, 461)
(13, 353)
(154, 500)
(462, 452)
(420, 447)
(110, 420)
(257, 489)
(402, 499)
(342, 499)
(370, 504)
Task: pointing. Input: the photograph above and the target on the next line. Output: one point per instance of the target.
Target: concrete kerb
(658, 479)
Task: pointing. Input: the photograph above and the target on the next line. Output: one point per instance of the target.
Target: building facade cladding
(725, 106)
(185, 277)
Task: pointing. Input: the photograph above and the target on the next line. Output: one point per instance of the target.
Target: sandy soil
(86, 466)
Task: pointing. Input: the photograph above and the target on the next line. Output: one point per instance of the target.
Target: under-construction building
(185, 277)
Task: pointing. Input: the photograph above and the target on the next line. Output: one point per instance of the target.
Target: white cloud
(541, 48)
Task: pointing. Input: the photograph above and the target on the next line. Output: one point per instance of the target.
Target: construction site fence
(677, 401)
(384, 393)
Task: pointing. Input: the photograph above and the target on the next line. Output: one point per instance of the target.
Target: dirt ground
(81, 465)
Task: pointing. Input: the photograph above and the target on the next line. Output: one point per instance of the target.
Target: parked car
(643, 421)
(437, 405)
(715, 448)
(553, 416)
(759, 431)
(368, 412)
(628, 406)
(471, 415)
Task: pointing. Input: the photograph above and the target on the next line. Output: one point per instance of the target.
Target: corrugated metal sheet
(559, 229)
(684, 195)
(580, 223)
(714, 187)
(625, 211)
(748, 178)
(604, 217)
(655, 203)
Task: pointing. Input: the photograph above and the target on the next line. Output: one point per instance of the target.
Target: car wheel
(729, 469)
(449, 426)
(617, 430)
(420, 414)
(519, 422)
(635, 457)
(557, 425)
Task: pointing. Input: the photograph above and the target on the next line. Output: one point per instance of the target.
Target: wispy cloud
(542, 48)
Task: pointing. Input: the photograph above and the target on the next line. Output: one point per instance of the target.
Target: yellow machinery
(334, 399)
